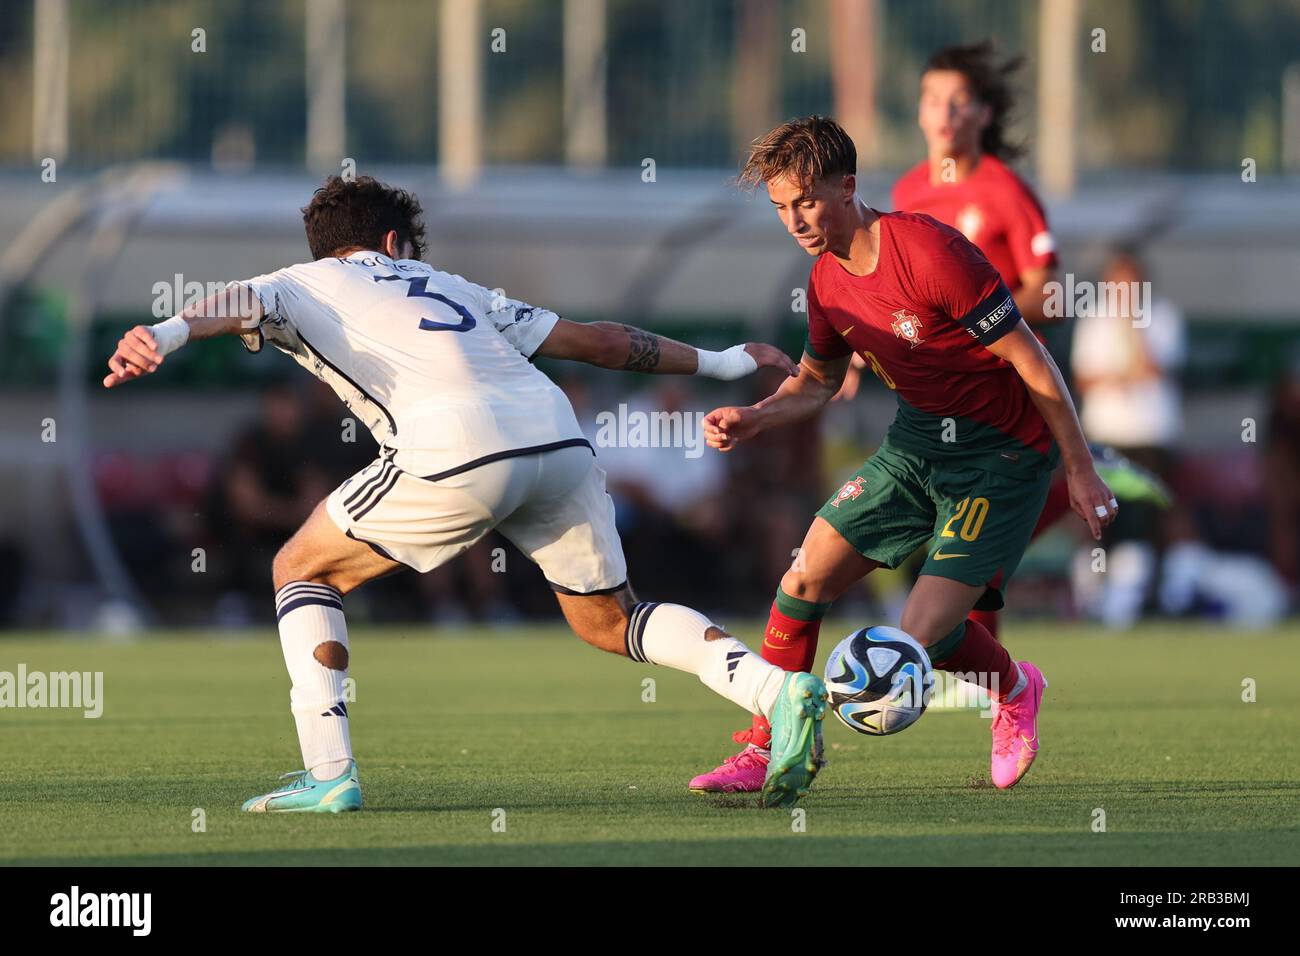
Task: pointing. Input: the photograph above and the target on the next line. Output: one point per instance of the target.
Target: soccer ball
(879, 680)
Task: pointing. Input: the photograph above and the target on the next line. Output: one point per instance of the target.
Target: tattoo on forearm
(643, 351)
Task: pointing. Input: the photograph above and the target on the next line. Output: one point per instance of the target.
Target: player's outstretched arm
(629, 349)
(1089, 497)
(233, 310)
(799, 397)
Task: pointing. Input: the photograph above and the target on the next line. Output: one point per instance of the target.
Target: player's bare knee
(286, 568)
(293, 563)
(331, 654)
(798, 584)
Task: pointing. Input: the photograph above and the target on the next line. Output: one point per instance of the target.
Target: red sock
(979, 654)
(1056, 506)
(788, 643)
(988, 619)
(791, 645)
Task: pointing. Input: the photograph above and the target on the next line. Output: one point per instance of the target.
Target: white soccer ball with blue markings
(879, 680)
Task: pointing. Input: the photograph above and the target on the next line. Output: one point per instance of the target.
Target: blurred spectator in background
(1125, 358)
(473, 587)
(667, 486)
(336, 443)
(13, 574)
(776, 481)
(279, 467)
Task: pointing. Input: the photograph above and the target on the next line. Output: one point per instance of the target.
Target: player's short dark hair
(807, 150)
(358, 213)
(991, 81)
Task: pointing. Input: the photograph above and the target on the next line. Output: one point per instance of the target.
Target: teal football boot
(303, 793)
(796, 740)
(1129, 481)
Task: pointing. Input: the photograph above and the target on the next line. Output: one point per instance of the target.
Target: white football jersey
(435, 366)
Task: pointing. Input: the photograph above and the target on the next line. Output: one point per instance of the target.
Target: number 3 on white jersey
(417, 290)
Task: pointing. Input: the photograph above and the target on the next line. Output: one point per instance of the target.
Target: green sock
(945, 648)
(799, 609)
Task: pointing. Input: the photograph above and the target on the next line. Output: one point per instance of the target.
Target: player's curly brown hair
(358, 213)
(806, 150)
(990, 81)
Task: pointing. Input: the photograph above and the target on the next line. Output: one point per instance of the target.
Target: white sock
(309, 617)
(677, 637)
(1021, 683)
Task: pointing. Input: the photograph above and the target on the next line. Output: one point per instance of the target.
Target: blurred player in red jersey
(964, 181)
(983, 418)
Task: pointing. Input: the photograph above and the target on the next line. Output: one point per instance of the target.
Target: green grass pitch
(1149, 727)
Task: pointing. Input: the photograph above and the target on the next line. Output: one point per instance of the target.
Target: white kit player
(471, 437)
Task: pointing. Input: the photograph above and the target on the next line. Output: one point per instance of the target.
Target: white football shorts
(552, 505)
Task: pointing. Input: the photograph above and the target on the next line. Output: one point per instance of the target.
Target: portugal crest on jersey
(850, 491)
(907, 326)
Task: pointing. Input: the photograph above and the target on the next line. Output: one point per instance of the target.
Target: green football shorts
(978, 522)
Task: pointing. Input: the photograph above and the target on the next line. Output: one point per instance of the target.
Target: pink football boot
(1015, 730)
(740, 773)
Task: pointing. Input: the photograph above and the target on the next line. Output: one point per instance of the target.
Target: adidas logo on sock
(733, 659)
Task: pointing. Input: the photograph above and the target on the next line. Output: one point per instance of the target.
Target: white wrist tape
(728, 365)
(171, 334)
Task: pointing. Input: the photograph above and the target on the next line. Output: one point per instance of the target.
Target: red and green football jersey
(922, 320)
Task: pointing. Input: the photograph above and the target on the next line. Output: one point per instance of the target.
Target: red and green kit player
(983, 419)
(966, 182)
